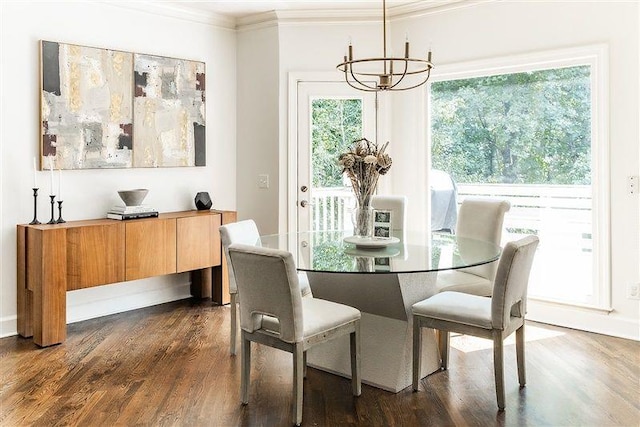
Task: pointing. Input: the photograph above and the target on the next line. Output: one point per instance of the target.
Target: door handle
(304, 203)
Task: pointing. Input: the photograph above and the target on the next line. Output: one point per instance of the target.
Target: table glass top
(327, 251)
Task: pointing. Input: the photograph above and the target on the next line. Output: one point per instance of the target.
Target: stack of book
(131, 212)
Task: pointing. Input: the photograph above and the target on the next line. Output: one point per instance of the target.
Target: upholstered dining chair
(395, 204)
(268, 283)
(493, 318)
(245, 232)
(481, 219)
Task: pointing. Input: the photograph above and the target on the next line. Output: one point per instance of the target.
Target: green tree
(530, 128)
(336, 123)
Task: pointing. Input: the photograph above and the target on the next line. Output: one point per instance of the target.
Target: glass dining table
(382, 278)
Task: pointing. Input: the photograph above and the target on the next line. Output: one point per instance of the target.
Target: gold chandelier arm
(418, 84)
(353, 76)
(404, 74)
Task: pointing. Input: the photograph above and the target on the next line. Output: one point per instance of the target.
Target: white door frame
(292, 136)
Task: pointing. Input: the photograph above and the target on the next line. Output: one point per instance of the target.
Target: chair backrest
(268, 283)
(245, 232)
(482, 219)
(512, 278)
(395, 204)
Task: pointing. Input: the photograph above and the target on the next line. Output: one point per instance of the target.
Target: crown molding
(178, 12)
(295, 17)
(430, 7)
(299, 17)
(352, 16)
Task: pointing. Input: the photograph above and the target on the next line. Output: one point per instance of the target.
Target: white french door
(330, 115)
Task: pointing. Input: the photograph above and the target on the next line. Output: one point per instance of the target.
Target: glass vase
(363, 221)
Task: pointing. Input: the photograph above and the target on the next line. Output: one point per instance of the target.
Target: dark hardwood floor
(169, 365)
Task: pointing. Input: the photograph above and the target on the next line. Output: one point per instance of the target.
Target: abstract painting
(86, 106)
(168, 112)
(104, 108)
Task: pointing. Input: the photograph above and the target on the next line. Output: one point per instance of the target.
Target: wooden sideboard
(54, 259)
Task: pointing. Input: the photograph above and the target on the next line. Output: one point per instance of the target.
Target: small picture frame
(382, 224)
(382, 264)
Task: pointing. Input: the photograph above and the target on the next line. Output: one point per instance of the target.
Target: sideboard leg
(24, 294)
(49, 285)
(201, 283)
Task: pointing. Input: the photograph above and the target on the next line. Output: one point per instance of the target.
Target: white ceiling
(239, 9)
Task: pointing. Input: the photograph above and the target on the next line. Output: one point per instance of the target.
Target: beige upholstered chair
(268, 283)
(396, 204)
(245, 232)
(493, 318)
(481, 219)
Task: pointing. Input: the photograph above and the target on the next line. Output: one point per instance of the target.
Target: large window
(529, 135)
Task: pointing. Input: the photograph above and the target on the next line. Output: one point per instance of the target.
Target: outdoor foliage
(524, 128)
(336, 123)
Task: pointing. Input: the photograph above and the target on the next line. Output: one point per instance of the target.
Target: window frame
(597, 58)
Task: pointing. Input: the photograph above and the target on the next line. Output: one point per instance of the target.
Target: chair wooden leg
(304, 363)
(356, 379)
(234, 324)
(297, 382)
(417, 352)
(498, 367)
(522, 377)
(245, 372)
(443, 345)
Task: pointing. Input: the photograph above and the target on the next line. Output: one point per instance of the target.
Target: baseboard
(97, 308)
(101, 301)
(584, 319)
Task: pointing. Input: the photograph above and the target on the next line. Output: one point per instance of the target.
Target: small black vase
(203, 201)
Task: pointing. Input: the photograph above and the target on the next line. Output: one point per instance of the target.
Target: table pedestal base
(386, 353)
(386, 333)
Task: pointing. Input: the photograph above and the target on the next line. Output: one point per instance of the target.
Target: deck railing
(561, 210)
(561, 214)
(332, 208)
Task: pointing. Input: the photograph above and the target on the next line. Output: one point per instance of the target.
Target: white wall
(257, 144)
(90, 193)
(489, 30)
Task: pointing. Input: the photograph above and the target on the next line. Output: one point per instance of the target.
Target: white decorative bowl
(133, 197)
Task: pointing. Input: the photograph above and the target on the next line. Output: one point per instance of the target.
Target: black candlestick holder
(35, 208)
(60, 220)
(53, 202)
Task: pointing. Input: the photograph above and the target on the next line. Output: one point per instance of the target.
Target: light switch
(263, 180)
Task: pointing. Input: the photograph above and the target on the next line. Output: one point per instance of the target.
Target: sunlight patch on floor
(467, 343)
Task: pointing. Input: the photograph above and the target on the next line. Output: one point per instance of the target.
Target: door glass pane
(526, 137)
(335, 124)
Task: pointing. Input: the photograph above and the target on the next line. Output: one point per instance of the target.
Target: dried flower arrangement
(363, 164)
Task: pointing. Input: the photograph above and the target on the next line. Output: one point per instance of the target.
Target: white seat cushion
(459, 281)
(319, 315)
(456, 307)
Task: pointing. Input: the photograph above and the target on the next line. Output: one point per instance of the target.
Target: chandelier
(393, 73)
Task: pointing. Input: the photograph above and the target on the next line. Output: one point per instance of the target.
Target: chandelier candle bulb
(406, 49)
(51, 193)
(35, 181)
(350, 52)
(59, 184)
